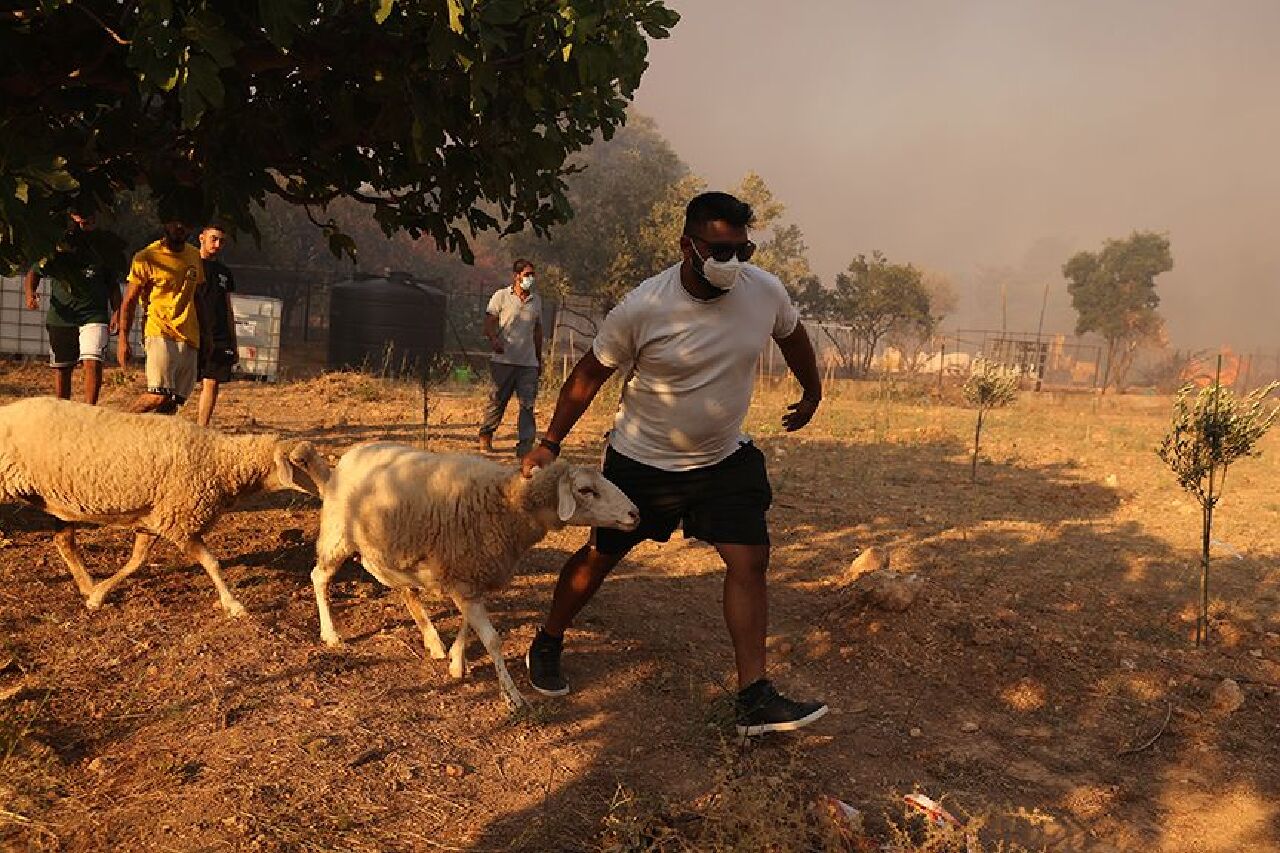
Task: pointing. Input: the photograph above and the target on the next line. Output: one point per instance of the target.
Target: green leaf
(281, 19)
(201, 89)
(340, 243)
(206, 30)
(20, 192)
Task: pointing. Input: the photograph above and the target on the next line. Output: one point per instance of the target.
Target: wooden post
(942, 364)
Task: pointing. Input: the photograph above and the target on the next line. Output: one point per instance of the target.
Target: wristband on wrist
(553, 446)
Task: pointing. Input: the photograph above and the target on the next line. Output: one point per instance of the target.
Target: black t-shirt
(212, 305)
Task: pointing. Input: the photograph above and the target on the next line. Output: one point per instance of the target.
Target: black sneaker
(762, 709)
(543, 661)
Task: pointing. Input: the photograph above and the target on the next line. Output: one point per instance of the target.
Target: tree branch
(114, 35)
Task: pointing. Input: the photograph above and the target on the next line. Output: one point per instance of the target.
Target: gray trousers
(523, 382)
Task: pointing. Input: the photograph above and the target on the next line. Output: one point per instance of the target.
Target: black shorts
(722, 503)
(215, 364)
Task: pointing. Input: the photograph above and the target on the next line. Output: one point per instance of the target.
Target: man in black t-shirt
(217, 322)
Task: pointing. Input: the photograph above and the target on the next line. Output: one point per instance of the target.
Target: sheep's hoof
(437, 653)
(333, 641)
(457, 670)
(234, 610)
(93, 602)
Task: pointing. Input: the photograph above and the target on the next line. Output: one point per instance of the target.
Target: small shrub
(1212, 429)
(988, 388)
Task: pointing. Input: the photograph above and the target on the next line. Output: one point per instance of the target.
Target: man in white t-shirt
(513, 325)
(689, 339)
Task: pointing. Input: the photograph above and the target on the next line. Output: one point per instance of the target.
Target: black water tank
(388, 326)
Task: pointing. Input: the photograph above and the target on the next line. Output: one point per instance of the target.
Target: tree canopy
(873, 296)
(616, 185)
(1114, 294)
(436, 116)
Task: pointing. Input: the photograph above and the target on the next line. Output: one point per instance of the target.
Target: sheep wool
(450, 523)
(161, 475)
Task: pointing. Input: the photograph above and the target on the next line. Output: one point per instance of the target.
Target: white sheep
(450, 523)
(162, 476)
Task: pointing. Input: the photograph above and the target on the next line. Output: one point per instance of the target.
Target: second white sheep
(454, 524)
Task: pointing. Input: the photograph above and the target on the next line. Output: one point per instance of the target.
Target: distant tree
(1114, 294)
(655, 243)
(617, 184)
(815, 300)
(785, 254)
(910, 337)
(874, 296)
(443, 119)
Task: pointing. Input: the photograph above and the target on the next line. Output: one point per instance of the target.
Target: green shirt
(82, 281)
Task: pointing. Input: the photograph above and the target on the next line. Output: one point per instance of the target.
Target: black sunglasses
(724, 252)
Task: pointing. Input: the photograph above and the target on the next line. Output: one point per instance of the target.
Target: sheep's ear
(568, 505)
(300, 467)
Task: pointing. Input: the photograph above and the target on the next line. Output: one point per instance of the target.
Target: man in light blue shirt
(513, 325)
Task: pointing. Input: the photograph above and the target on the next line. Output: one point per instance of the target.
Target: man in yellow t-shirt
(165, 276)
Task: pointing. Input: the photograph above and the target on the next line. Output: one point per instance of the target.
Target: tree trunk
(977, 436)
(1202, 623)
(1106, 373)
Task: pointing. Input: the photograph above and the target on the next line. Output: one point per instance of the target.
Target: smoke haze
(991, 140)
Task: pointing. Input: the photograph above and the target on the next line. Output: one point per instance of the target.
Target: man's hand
(113, 324)
(799, 414)
(33, 302)
(495, 343)
(539, 457)
(122, 351)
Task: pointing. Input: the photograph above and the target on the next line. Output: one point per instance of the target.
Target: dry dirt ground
(1053, 633)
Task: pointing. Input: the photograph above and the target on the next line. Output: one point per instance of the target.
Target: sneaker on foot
(761, 709)
(543, 661)
(486, 444)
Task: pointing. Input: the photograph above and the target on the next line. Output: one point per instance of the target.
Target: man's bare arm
(797, 351)
(135, 291)
(576, 394)
(29, 285)
(491, 332)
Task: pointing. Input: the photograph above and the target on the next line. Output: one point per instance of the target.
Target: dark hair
(214, 226)
(181, 204)
(714, 206)
(520, 264)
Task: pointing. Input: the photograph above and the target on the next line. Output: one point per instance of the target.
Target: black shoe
(763, 709)
(543, 661)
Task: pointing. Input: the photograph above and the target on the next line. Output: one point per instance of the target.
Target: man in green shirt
(83, 299)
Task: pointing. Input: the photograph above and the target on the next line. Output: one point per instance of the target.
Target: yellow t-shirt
(173, 278)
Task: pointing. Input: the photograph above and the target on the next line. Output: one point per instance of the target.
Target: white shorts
(171, 368)
(71, 344)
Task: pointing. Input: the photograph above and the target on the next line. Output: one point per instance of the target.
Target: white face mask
(526, 283)
(722, 275)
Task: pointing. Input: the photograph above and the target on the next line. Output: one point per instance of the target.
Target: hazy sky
(973, 137)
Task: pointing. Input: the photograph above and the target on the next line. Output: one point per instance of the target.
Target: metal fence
(23, 333)
(22, 330)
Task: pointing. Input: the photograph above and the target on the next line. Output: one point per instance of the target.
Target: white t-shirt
(692, 365)
(517, 318)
